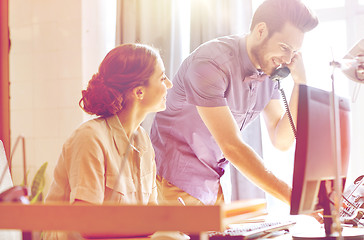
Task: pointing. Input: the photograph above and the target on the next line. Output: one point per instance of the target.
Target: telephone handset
(279, 74)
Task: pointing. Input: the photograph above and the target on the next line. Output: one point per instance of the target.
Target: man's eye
(284, 48)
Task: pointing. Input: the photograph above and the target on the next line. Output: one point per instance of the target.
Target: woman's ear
(138, 93)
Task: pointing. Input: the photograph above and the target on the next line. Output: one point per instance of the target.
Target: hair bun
(123, 68)
(97, 78)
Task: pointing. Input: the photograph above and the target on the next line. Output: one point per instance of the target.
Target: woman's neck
(131, 119)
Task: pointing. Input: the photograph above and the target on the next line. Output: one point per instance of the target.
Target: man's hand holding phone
(297, 69)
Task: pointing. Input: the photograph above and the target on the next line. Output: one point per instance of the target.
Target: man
(219, 89)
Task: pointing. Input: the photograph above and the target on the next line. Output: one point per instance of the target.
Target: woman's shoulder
(89, 130)
(142, 134)
(143, 138)
(91, 126)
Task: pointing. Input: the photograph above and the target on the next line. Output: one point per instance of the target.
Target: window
(314, 4)
(327, 42)
(330, 40)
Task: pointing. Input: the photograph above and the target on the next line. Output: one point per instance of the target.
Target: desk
(307, 226)
(131, 219)
(116, 219)
(110, 219)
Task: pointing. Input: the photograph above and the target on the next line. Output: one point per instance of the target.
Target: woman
(110, 158)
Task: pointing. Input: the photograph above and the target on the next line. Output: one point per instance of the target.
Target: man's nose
(288, 58)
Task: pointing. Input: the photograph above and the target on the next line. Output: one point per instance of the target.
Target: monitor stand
(348, 233)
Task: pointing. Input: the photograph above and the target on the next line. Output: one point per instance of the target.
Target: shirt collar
(260, 77)
(120, 137)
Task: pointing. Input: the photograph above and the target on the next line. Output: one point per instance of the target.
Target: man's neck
(249, 46)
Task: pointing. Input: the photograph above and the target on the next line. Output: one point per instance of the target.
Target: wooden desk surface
(125, 220)
(111, 219)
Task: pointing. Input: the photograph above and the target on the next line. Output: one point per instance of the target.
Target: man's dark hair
(275, 13)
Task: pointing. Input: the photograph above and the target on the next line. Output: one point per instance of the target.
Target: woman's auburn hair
(125, 67)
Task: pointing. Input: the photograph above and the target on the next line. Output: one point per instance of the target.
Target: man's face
(278, 49)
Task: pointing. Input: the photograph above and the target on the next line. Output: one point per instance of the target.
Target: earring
(140, 94)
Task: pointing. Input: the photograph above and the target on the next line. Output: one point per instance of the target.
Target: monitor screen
(314, 163)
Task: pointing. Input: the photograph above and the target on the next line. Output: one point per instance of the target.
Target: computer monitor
(314, 163)
(8, 192)
(5, 177)
(314, 160)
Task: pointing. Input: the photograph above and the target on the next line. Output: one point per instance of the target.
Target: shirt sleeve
(276, 93)
(205, 84)
(85, 167)
(153, 197)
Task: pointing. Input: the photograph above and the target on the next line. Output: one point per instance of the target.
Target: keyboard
(252, 230)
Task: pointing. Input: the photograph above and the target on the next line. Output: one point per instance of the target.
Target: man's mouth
(276, 64)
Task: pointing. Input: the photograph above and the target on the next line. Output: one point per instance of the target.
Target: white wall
(56, 47)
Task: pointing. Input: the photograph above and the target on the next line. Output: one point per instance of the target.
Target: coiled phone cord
(287, 109)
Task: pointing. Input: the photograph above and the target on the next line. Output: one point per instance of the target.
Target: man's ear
(138, 93)
(260, 31)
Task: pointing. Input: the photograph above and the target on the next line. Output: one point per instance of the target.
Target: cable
(287, 109)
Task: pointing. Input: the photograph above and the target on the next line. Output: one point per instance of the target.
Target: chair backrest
(5, 178)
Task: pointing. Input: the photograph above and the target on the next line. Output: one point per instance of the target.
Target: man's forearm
(250, 165)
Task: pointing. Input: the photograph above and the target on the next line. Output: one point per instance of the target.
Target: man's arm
(276, 119)
(225, 131)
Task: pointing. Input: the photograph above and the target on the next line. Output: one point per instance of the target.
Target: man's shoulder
(220, 49)
(225, 42)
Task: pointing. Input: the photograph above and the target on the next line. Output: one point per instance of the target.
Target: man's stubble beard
(258, 55)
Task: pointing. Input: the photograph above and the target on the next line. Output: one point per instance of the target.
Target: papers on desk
(244, 211)
(353, 198)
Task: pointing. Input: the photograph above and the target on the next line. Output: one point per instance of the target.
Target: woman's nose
(169, 83)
